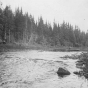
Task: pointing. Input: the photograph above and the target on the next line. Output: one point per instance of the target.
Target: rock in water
(77, 73)
(62, 72)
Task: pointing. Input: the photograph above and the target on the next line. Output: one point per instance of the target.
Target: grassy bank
(16, 47)
(9, 47)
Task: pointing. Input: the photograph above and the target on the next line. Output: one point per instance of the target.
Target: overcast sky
(73, 11)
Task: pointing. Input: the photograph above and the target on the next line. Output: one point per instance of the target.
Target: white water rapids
(37, 69)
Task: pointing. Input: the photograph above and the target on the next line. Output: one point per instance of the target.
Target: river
(38, 69)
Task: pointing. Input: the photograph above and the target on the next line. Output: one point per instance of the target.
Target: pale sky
(72, 11)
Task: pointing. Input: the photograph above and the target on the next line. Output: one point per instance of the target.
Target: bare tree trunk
(5, 35)
(9, 36)
(25, 32)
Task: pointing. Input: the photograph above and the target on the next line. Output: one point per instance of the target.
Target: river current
(38, 69)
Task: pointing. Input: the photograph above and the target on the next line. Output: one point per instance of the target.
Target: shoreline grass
(82, 63)
(11, 47)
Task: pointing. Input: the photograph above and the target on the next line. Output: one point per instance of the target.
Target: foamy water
(37, 69)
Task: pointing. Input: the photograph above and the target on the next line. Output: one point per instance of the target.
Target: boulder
(77, 73)
(62, 72)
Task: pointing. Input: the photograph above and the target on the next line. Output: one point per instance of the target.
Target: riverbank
(82, 63)
(11, 47)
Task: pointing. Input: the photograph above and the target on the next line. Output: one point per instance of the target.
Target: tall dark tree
(71, 36)
(56, 36)
(1, 22)
(8, 23)
(19, 21)
(40, 30)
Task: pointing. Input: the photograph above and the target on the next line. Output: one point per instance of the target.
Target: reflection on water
(36, 69)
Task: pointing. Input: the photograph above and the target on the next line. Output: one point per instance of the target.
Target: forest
(19, 28)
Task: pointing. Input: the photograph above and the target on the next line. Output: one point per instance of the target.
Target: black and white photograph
(43, 43)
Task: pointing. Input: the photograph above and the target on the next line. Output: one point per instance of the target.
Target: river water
(38, 69)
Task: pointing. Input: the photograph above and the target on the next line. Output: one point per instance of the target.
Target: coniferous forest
(19, 28)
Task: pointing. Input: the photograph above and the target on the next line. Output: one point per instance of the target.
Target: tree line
(16, 27)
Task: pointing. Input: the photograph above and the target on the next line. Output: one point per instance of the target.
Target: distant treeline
(16, 27)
